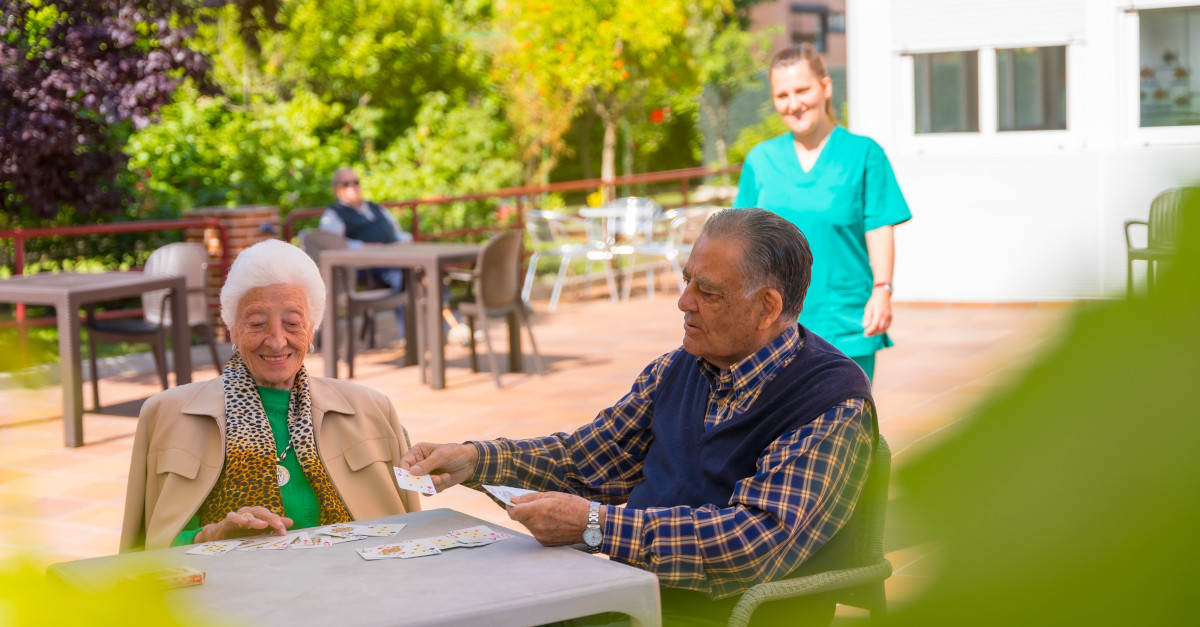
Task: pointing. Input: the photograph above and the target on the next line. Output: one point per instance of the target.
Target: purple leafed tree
(74, 75)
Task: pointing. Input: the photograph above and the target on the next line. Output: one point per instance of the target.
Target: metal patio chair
(548, 232)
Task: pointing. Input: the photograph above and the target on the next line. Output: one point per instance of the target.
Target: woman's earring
(312, 348)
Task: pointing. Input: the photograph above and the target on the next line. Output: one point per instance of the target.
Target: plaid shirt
(806, 483)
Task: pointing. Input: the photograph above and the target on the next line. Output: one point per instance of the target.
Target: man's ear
(772, 306)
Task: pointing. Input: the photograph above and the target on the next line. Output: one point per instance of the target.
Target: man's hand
(247, 521)
(554, 518)
(447, 464)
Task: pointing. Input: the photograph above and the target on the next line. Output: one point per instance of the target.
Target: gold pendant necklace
(282, 476)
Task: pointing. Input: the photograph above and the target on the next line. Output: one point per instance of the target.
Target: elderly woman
(265, 447)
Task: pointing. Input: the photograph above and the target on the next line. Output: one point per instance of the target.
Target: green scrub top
(850, 190)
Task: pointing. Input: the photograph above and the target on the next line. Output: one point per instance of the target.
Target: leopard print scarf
(248, 476)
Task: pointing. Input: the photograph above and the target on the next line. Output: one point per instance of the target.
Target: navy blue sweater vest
(377, 231)
(687, 465)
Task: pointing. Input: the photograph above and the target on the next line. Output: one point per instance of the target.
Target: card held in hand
(506, 493)
(416, 483)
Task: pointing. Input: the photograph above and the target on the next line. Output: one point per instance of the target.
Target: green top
(299, 500)
(850, 190)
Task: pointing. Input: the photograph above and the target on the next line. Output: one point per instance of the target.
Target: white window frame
(989, 138)
(1130, 114)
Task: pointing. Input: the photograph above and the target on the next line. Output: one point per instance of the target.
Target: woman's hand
(877, 316)
(247, 521)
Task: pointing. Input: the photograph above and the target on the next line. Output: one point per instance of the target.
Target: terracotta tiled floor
(58, 504)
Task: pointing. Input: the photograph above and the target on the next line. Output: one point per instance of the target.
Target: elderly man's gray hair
(775, 253)
(271, 262)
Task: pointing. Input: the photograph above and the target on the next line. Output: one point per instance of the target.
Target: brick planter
(244, 227)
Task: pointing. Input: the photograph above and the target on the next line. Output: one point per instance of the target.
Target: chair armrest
(801, 586)
(1129, 223)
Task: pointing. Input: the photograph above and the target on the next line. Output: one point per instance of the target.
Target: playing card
(215, 547)
(441, 542)
(340, 530)
(255, 543)
(381, 552)
(279, 544)
(311, 541)
(381, 529)
(341, 539)
(416, 483)
(417, 548)
(477, 536)
(506, 493)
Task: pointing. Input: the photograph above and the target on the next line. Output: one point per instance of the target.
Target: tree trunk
(608, 156)
(585, 141)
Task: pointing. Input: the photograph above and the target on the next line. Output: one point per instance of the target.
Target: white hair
(271, 262)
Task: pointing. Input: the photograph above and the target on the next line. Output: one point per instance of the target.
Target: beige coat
(180, 447)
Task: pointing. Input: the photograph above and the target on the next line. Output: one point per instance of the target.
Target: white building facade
(1024, 133)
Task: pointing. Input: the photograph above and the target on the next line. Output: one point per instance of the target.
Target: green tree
(731, 62)
(453, 148)
(340, 82)
(615, 56)
(205, 152)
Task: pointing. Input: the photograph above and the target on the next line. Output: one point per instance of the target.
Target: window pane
(1170, 56)
(947, 90)
(1031, 88)
(807, 27)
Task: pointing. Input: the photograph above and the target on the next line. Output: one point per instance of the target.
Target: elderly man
(739, 456)
(364, 222)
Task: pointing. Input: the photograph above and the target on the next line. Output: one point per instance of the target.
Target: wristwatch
(592, 536)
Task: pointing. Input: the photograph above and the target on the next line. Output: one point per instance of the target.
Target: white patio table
(508, 583)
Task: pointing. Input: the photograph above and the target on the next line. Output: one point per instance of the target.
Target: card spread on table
(215, 547)
(402, 550)
(381, 530)
(340, 530)
(477, 536)
(442, 542)
(506, 493)
(416, 483)
(279, 544)
(312, 541)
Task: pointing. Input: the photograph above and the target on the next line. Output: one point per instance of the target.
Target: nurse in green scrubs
(840, 190)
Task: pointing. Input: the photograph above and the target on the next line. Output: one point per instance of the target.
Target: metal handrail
(20, 234)
(682, 175)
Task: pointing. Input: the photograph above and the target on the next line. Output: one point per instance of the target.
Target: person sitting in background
(265, 447)
(364, 222)
(739, 456)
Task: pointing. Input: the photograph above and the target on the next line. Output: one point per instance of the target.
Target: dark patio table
(431, 259)
(67, 292)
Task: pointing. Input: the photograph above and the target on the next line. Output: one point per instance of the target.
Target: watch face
(592, 537)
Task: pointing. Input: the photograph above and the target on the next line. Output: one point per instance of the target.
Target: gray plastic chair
(861, 583)
(496, 290)
(357, 302)
(189, 259)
